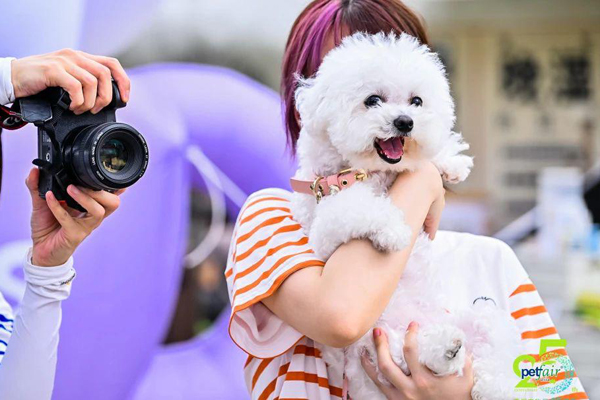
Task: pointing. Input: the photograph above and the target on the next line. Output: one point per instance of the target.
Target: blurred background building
(524, 74)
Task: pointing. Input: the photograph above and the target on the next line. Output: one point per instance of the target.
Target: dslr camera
(88, 150)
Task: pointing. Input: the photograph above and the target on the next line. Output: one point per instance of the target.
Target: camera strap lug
(10, 118)
(44, 165)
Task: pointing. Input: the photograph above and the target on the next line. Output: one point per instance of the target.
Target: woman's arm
(27, 370)
(338, 304)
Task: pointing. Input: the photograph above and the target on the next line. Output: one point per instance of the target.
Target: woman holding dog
(285, 299)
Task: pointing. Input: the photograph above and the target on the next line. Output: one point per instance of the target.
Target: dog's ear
(308, 99)
(304, 95)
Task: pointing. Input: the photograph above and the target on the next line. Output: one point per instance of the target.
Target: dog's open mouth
(390, 150)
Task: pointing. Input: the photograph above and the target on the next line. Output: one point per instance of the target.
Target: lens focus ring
(108, 156)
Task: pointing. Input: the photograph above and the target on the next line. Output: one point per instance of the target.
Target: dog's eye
(416, 101)
(373, 101)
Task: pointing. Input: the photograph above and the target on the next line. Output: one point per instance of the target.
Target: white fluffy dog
(381, 103)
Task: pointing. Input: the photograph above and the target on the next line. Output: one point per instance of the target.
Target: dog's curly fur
(339, 130)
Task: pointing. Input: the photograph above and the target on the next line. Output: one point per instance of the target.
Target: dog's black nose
(404, 123)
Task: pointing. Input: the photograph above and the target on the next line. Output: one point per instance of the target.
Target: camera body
(88, 150)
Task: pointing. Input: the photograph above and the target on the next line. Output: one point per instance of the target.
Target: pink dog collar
(331, 184)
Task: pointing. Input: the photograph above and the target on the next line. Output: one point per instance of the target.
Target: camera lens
(113, 155)
(108, 156)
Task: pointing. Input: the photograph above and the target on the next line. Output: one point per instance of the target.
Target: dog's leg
(489, 383)
(455, 169)
(303, 210)
(442, 349)
(356, 213)
(361, 387)
(333, 357)
(496, 343)
(453, 166)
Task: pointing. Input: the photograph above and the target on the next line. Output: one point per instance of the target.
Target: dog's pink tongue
(392, 148)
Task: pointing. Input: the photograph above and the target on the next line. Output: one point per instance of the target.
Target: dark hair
(303, 52)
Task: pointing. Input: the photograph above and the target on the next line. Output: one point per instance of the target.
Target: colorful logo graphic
(550, 372)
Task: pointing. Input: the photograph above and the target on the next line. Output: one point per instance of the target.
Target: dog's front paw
(358, 213)
(442, 349)
(393, 236)
(456, 168)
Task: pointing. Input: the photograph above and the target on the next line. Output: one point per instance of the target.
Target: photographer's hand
(86, 77)
(57, 231)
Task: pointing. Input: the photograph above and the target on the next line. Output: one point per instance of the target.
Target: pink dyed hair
(339, 18)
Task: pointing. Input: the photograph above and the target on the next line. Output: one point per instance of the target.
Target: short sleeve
(268, 245)
(527, 308)
(535, 325)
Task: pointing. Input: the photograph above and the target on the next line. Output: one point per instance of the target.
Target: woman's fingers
(87, 78)
(95, 212)
(386, 365)
(431, 225)
(371, 371)
(61, 215)
(411, 350)
(117, 71)
(94, 75)
(468, 364)
(89, 84)
(103, 76)
(468, 370)
(32, 182)
(109, 201)
(58, 76)
(434, 216)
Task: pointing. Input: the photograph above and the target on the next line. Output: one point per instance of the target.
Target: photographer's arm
(30, 340)
(7, 94)
(27, 370)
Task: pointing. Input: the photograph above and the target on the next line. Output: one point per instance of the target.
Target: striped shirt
(6, 326)
(268, 245)
(535, 325)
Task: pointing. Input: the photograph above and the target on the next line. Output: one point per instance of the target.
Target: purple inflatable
(129, 270)
(96, 26)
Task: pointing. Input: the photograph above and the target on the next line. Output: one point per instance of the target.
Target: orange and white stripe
(267, 247)
(534, 322)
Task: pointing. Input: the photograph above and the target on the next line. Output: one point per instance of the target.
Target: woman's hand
(422, 384)
(86, 77)
(56, 231)
(430, 189)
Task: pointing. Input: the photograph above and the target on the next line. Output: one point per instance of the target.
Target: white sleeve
(7, 94)
(28, 367)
